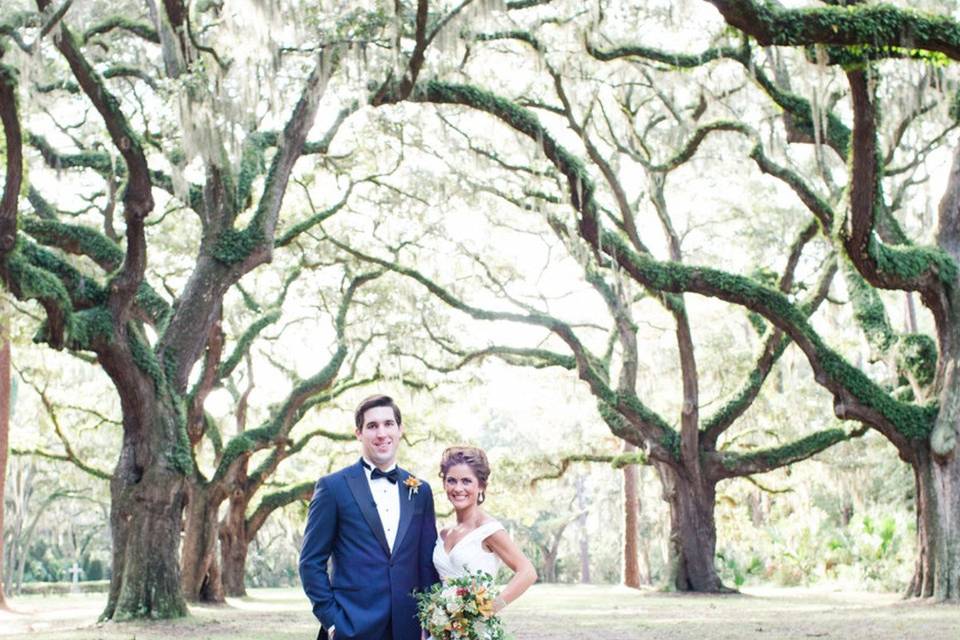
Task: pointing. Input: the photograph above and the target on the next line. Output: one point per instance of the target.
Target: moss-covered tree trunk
(693, 532)
(234, 529)
(233, 545)
(936, 459)
(214, 553)
(199, 560)
(238, 528)
(937, 565)
(147, 492)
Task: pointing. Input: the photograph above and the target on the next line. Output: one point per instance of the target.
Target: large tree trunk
(937, 570)
(147, 492)
(199, 561)
(233, 545)
(4, 427)
(937, 477)
(693, 533)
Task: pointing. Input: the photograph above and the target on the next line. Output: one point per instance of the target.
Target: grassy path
(547, 612)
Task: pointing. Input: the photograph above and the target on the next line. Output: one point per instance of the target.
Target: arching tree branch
(853, 24)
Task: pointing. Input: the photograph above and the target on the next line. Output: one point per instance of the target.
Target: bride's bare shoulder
(485, 519)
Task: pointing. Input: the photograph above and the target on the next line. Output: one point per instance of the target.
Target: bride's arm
(524, 574)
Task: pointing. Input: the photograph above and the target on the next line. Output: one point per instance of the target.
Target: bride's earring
(481, 497)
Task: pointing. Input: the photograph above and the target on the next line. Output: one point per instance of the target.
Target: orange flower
(413, 486)
(485, 608)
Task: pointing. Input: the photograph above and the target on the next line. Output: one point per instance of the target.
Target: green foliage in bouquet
(461, 609)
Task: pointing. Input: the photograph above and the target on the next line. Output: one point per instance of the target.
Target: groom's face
(379, 436)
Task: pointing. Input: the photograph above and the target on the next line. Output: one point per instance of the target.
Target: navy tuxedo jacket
(369, 588)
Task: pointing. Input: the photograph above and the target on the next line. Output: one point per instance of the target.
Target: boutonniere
(413, 486)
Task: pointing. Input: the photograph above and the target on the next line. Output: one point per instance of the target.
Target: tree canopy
(179, 151)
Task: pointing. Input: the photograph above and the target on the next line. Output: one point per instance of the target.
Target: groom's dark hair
(377, 400)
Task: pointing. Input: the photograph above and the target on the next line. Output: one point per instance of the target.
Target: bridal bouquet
(460, 609)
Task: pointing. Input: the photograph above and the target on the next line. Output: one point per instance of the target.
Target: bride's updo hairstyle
(473, 457)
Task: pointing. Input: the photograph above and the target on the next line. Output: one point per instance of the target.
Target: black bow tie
(389, 475)
(377, 473)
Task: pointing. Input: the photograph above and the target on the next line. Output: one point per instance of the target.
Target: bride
(477, 542)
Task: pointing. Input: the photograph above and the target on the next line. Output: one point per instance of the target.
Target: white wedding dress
(468, 555)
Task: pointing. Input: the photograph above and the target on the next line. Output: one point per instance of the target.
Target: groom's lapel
(357, 481)
(407, 500)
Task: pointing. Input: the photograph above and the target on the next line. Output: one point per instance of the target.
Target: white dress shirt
(387, 496)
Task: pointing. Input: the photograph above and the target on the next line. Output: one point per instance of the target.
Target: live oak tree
(690, 464)
(229, 467)
(915, 415)
(155, 105)
(915, 406)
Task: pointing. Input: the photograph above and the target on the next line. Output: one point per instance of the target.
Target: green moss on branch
(88, 328)
(909, 420)
(745, 395)
(156, 308)
(252, 163)
(671, 58)
(243, 344)
(625, 459)
(144, 357)
(142, 29)
(212, 431)
(917, 356)
(278, 499)
(881, 25)
(96, 160)
(911, 262)
(83, 291)
(244, 443)
(858, 56)
(868, 311)
(76, 239)
(776, 457)
(35, 283)
(236, 245)
(194, 192)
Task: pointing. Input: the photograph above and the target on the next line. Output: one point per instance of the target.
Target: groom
(376, 522)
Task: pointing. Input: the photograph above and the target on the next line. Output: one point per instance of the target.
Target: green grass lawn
(545, 612)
